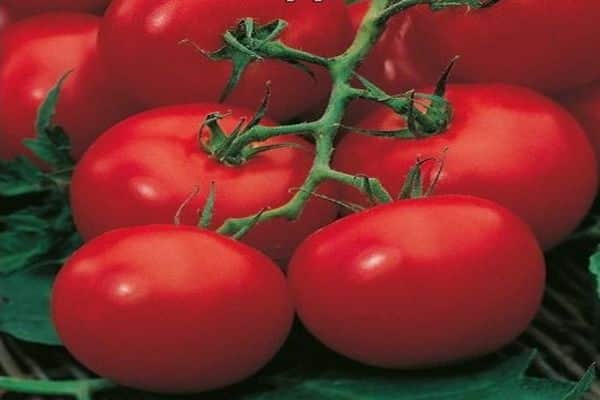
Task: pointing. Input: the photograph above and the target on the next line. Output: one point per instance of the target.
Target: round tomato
(505, 143)
(419, 283)
(25, 8)
(171, 309)
(142, 170)
(34, 54)
(584, 103)
(140, 40)
(547, 45)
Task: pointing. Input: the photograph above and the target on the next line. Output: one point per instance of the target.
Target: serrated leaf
(20, 177)
(51, 143)
(25, 305)
(491, 381)
(36, 231)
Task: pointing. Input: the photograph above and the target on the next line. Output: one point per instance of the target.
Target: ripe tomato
(419, 283)
(171, 309)
(584, 103)
(139, 39)
(389, 65)
(6, 17)
(547, 45)
(34, 54)
(25, 8)
(142, 170)
(505, 143)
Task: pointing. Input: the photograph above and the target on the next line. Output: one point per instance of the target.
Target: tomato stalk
(79, 389)
(342, 69)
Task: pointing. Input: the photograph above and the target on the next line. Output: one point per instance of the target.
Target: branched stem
(342, 69)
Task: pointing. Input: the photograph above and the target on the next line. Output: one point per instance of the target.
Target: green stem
(323, 130)
(80, 389)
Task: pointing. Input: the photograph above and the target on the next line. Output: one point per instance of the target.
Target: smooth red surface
(547, 45)
(504, 143)
(584, 103)
(32, 7)
(34, 54)
(171, 309)
(389, 65)
(6, 17)
(143, 169)
(139, 39)
(419, 283)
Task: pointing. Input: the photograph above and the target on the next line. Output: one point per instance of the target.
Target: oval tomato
(140, 40)
(547, 45)
(505, 143)
(25, 8)
(143, 169)
(584, 103)
(171, 309)
(419, 283)
(34, 54)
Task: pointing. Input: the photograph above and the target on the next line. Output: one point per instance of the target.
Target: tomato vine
(425, 113)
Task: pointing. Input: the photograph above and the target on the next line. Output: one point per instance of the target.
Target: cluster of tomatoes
(415, 283)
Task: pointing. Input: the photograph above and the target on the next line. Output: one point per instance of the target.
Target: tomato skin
(584, 104)
(142, 170)
(419, 283)
(549, 46)
(139, 39)
(34, 54)
(26, 8)
(171, 309)
(389, 65)
(505, 143)
(6, 17)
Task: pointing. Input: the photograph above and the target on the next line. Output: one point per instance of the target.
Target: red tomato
(25, 8)
(6, 17)
(584, 103)
(505, 143)
(142, 170)
(419, 283)
(34, 54)
(389, 65)
(547, 45)
(139, 39)
(171, 309)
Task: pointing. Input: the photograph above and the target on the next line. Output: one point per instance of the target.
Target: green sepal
(209, 207)
(244, 45)
(473, 4)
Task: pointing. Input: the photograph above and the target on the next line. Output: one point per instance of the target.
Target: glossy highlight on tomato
(504, 143)
(140, 40)
(419, 283)
(171, 309)
(143, 169)
(34, 54)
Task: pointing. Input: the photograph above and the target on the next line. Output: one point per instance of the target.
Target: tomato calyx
(226, 147)
(247, 43)
(414, 186)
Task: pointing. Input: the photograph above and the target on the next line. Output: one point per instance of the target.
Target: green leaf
(51, 144)
(491, 381)
(37, 232)
(25, 305)
(595, 269)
